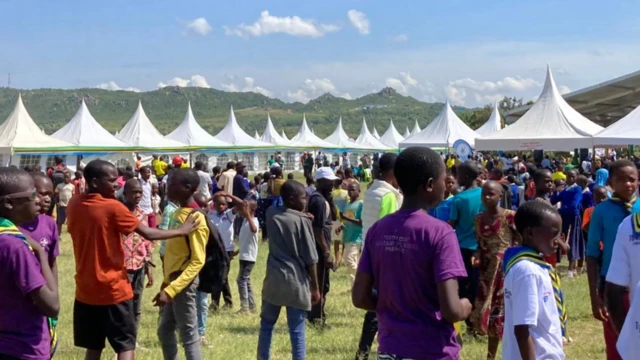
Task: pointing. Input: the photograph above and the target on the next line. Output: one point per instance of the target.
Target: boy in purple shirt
(29, 290)
(416, 259)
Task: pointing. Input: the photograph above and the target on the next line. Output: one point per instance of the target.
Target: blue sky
(471, 52)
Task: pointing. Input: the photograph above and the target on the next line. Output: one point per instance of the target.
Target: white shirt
(205, 182)
(529, 300)
(629, 340)
(224, 223)
(145, 201)
(624, 269)
(249, 241)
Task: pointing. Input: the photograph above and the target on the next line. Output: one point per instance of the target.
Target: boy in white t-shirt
(534, 304)
(64, 192)
(248, 254)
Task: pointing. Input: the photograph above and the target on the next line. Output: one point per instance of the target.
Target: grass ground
(237, 336)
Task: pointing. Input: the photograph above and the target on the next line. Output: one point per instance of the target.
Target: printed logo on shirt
(44, 242)
(635, 240)
(545, 296)
(507, 293)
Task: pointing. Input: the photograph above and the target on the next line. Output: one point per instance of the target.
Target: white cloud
(248, 86)
(400, 38)
(508, 83)
(483, 92)
(194, 81)
(407, 79)
(111, 85)
(404, 84)
(563, 89)
(397, 85)
(298, 95)
(455, 95)
(290, 25)
(359, 21)
(312, 88)
(198, 26)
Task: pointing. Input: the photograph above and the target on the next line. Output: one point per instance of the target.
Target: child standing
(352, 230)
(310, 189)
(570, 201)
(495, 231)
(443, 210)
(64, 192)
(79, 183)
(156, 200)
(248, 254)
(340, 197)
(291, 280)
(534, 303)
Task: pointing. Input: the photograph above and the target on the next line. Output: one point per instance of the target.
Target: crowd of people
(434, 243)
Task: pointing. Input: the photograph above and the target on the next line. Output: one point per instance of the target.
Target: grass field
(237, 336)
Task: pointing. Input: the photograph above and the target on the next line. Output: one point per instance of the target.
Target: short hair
(619, 164)
(200, 197)
(291, 188)
(531, 214)
(145, 168)
(58, 160)
(186, 177)
(310, 180)
(128, 175)
(128, 168)
(231, 165)
(131, 182)
(39, 175)
(386, 162)
(198, 165)
(11, 180)
(496, 171)
(540, 174)
(97, 169)
(290, 176)
(470, 169)
(415, 166)
(217, 169)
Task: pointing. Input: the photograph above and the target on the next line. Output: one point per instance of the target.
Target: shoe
(227, 307)
(243, 311)
(204, 343)
(139, 347)
(570, 275)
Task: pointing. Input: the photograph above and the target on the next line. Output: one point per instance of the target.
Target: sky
(469, 52)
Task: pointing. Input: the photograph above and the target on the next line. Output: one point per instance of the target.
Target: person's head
(496, 174)
(101, 178)
(145, 172)
(220, 203)
(324, 180)
(491, 194)
(155, 189)
(337, 184)
(290, 176)
(245, 174)
(558, 183)
(155, 156)
(271, 157)
(132, 192)
(600, 194)
(177, 161)
(231, 165)
(572, 176)
(623, 178)
(449, 184)
(582, 181)
(348, 173)
(19, 200)
(511, 179)
(467, 173)
(540, 226)
(252, 206)
(128, 168)
(183, 184)
(44, 188)
(340, 173)
(138, 157)
(199, 165)
(293, 195)
(310, 180)
(266, 176)
(420, 173)
(240, 167)
(385, 167)
(78, 175)
(543, 181)
(353, 191)
(58, 160)
(126, 175)
(217, 170)
(67, 177)
(276, 171)
(257, 179)
(201, 200)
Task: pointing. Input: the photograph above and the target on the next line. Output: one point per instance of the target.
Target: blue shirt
(352, 233)
(605, 220)
(443, 211)
(570, 198)
(464, 209)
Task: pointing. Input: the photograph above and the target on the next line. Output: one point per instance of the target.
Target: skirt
(572, 229)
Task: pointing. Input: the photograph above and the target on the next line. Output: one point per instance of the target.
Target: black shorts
(92, 324)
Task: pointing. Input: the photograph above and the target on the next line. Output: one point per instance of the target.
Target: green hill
(166, 107)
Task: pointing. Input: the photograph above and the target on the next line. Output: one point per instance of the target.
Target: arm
(252, 224)
(156, 234)
(525, 342)
(615, 304)
(619, 277)
(452, 307)
(45, 297)
(318, 210)
(596, 229)
(362, 292)
(234, 199)
(351, 220)
(555, 198)
(315, 289)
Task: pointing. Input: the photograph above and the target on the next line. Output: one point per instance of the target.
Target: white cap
(326, 173)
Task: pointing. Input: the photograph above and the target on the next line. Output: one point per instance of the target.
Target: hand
(234, 254)
(149, 278)
(475, 260)
(328, 260)
(37, 248)
(315, 297)
(338, 230)
(189, 225)
(466, 305)
(161, 299)
(598, 309)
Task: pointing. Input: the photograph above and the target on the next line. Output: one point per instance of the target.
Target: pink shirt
(137, 250)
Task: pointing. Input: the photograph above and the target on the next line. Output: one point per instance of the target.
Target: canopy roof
(234, 135)
(340, 138)
(84, 130)
(493, 125)
(391, 137)
(623, 132)
(442, 132)
(366, 139)
(306, 139)
(20, 133)
(550, 124)
(375, 133)
(416, 129)
(271, 136)
(139, 131)
(256, 135)
(191, 133)
(284, 136)
(407, 133)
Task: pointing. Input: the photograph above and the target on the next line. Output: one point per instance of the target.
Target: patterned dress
(493, 240)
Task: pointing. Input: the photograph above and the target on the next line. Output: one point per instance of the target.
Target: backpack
(216, 264)
(57, 176)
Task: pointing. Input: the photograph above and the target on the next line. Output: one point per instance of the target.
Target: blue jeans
(202, 305)
(295, 319)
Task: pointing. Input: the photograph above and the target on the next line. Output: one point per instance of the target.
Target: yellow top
(450, 163)
(184, 165)
(558, 176)
(160, 167)
(176, 255)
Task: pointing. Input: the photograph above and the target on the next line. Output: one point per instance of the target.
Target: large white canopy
(375, 133)
(139, 131)
(340, 138)
(407, 133)
(20, 132)
(306, 139)
(493, 125)
(366, 139)
(442, 132)
(625, 131)
(416, 129)
(391, 137)
(84, 130)
(284, 136)
(256, 135)
(234, 135)
(191, 133)
(271, 136)
(550, 124)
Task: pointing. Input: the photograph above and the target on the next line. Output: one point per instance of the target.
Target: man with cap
(320, 205)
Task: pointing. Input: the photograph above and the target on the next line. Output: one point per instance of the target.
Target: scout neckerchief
(518, 253)
(627, 206)
(8, 228)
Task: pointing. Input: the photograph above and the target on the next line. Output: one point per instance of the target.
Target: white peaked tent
(20, 133)
(192, 134)
(139, 131)
(550, 124)
(391, 137)
(284, 136)
(256, 135)
(442, 132)
(623, 132)
(407, 133)
(375, 133)
(366, 140)
(340, 138)
(271, 136)
(84, 130)
(234, 135)
(416, 129)
(493, 125)
(306, 139)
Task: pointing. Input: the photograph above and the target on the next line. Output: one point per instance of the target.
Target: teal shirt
(167, 223)
(352, 233)
(464, 209)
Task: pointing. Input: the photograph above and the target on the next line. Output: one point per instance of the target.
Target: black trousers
(136, 278)
(369, 331)
(225, 292)
(317, 313)
(468, 287)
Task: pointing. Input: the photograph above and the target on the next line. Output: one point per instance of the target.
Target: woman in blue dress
(570, 199)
